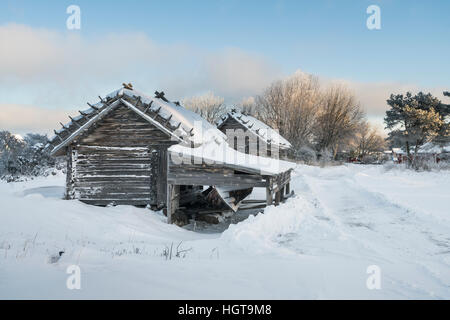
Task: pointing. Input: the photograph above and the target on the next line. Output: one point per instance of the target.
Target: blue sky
(325, 38)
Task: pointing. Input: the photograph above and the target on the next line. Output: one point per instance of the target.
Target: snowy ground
(316, 245)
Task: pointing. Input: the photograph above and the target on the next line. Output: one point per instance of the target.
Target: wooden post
(277, 197)
(68, 171)
(279, 191)
(69, 174)
(173, 201)
(169, 203)
(269, 195)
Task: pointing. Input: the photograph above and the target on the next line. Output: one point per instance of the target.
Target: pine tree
(414, 120)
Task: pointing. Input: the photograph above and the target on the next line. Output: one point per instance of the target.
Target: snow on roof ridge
(224, 154)
(188, 124)
(200, 130)
(258, 127)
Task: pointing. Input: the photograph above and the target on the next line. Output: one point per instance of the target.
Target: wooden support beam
(168, 119)
(69, 177)
(138, 102)
(269, 196)
(279, 192)
(57, 134)
(170, 210)
(148, 107)
(277, 197)
(92, 106)
(74, 121)
(173, 201)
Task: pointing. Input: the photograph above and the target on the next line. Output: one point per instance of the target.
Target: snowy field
(317, 245)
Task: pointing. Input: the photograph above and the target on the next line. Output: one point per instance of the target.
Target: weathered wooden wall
(250, 143)
(121, 160)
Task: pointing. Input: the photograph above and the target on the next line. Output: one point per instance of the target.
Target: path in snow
(316, 245)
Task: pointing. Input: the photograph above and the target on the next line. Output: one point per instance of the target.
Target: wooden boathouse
(134, 149)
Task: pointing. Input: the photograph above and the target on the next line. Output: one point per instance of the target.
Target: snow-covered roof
(431, 147)
(428, 147)
(183, 125)
(259, 128)
(223, 154)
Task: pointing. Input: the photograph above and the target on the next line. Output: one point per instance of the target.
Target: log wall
(121, 160)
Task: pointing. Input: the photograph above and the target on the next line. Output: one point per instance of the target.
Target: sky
(231, 48)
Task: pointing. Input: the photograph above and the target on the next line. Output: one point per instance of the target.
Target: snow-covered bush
(25, 157)
(305, 154)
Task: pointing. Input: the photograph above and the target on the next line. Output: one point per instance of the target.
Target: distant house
(428, 152)
(130, 148)
(251, 136)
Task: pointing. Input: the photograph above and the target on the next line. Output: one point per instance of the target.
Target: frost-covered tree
(338, 119)
(208, 105)
(367, 140)
(290, 105)
(23, 156)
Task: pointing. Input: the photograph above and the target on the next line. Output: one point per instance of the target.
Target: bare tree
(338, 119)
(367, 140)
(290, 106)
(208, 106)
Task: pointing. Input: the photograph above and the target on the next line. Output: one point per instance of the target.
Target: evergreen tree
(414, 120)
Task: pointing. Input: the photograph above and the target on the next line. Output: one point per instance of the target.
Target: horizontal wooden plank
(111, 167)
(104, 202)
(117, 179)
(117, 173)
(115, 196)
(114, 188)
(215, 180)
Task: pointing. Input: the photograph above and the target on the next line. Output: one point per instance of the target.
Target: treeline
(321, 122)
(24, 156)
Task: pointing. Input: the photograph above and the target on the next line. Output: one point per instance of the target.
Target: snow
(213, 152)
(430, 147)
(202, 130)
(317, 245)
(258, 127)
(180, 115)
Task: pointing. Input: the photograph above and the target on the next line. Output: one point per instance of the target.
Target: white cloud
(235, 72)
(373, 96)
(63, 70)
(46, 58)
(60, 71)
